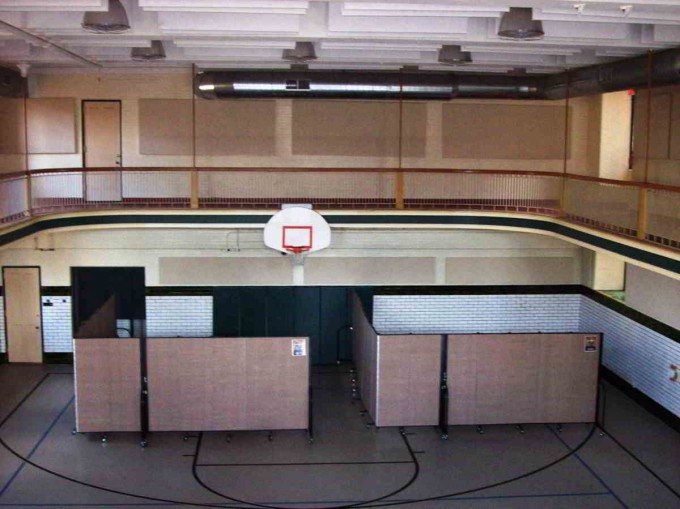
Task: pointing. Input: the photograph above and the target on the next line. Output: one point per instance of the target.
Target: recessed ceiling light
(518, 23)
(112, 21)
(303, 52)
(155, 52)
(451, 54)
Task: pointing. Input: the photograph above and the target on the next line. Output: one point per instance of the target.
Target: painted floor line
(36, 446)
(548, 495)
(593, 473)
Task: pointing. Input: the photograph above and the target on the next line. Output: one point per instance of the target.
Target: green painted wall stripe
(634, 253)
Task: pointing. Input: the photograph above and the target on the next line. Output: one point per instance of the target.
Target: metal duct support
(598, 79)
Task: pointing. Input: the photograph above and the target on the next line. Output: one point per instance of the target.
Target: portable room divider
(108, 384)
(194, 384)
(399, 375)
(227, 384)
(522, 378)
(450, 379)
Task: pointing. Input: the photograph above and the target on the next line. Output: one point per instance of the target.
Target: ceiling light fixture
(453, 55)
(518, 23)
(112, 21)
(155, 52)
(303, 52)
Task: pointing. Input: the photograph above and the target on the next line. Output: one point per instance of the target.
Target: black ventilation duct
(361, 85)
(615, 76)
(11, 83)
(598, 79)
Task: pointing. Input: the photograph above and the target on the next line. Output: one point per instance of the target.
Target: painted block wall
(57, 324)
(634, 352)
(426, 314)
(637, 354)
(188, 316)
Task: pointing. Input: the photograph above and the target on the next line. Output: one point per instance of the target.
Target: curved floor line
(414, 476)
(222, 506)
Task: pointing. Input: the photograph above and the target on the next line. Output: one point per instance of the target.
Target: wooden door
(23, 317)
(102, 149)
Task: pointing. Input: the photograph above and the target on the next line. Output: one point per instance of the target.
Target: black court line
(23, 400)
(354, 504)
(642, 463)
(593, 473)
(364, 503)
(311, 463)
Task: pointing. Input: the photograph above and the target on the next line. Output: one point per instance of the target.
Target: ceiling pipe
(361, 85)
(610, 77)
(42, 41)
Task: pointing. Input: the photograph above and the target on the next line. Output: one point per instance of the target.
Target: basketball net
(298, 255)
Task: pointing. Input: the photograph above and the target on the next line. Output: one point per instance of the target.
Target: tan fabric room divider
(228, 383)
(108, 385)
(398, 375)
(522, 378)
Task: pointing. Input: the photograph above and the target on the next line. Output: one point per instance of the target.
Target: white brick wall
(3, 346)
(57, 325)
(188, 316)
(423, 314)
(637, 354)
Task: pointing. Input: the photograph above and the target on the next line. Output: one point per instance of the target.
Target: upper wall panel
(503, 131)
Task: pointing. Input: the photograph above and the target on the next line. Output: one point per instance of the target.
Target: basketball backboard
(297, 230)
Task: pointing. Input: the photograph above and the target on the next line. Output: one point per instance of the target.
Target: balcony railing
(645, 211)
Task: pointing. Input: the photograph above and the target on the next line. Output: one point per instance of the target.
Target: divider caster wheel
(480, 430)
(143, 444)
(74, 431)
(602, 433)
(270, 437)
(105, 439)
(444, 436)
(185, 437)
(559, 428)
(311, 440)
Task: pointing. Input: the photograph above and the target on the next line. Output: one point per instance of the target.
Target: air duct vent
(155, 52)
(518, 23)
(112, 21)
(454, 55)
(303, 52)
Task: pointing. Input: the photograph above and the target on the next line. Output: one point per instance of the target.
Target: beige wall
(653, 294)
(533, 144)
(664, 136)
(609, 272)
(615, 131)
(129, 88)
(212, 256)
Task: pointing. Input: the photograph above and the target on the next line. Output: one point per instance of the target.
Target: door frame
(82, 126)
(40, 306)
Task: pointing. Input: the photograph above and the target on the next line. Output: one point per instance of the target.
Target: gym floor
(350, 462)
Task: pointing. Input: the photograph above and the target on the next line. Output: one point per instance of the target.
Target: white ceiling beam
(44, 42)
(53, 5)
(234, 43)
(297, 7)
